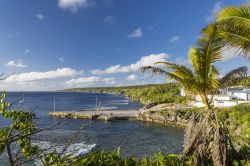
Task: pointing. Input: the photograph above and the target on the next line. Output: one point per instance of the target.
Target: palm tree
(203, 79)
(206, 136)
(234, 27)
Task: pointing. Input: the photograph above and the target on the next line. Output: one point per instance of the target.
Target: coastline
(143, 114)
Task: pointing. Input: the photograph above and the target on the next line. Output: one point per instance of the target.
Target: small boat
(54, 105)
(22, 101)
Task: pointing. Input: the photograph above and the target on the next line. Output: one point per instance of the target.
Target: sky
(48, 45)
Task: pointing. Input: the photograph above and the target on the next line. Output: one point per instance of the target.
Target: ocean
(137, 138)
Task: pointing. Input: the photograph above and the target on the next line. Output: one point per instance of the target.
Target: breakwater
(99, 115)
(146, 115)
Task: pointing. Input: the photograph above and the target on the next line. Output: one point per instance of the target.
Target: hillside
(146, 94)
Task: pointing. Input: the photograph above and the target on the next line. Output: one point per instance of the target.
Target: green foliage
(146, 94)
(19, 133)
(234, 27)
(22, 125)
(237, 119)
(56, 159)
(114, 158)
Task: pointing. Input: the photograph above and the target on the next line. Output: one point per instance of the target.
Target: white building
(243, 94)
(227, 98)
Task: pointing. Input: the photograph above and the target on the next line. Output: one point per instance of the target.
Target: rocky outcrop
(168, 120)
(164, 114)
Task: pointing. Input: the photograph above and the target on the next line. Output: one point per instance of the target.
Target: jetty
(107, 115)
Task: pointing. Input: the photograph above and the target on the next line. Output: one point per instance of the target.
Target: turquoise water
(133, 137)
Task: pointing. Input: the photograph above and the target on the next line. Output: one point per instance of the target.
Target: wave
(75, 149)
(121, 103)
(108, 108)
(104, 108)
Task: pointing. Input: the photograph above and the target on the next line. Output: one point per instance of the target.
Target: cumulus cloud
(109, 20)
(75, 5)
(131, 77)
(15, 64)
(144, 61)
(182, 61)
(40, 16)
(174, 39)
(92, 80)
(137, 33)
(217, 7)
(37, 76)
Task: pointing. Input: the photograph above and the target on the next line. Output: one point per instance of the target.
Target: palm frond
(180, 70)
(206, 52)
(153, 70)
(234, 77)
(234, 27)
(178, 73)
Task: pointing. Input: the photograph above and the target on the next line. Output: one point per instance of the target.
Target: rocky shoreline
(162, 114)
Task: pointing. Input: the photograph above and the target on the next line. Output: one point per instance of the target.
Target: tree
(17, 139)
(234, 27)
(206, 136)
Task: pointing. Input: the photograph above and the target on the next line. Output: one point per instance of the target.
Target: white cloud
(174, 39)
(131, 77)
(182, 61)
(109, 20)
(26, 51)
(75, 5)
(40, 16)
(137, 33)
(217, 7)
(92, 80)
(37, 76)
(13, 34)
(16, 64)
(61, 59)
(144, 61)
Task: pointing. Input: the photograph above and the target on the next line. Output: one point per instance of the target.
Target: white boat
(54, 105)
(22, 101)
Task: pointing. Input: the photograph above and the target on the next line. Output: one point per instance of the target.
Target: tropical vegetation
(210, 134)
(146, 94)
(207, 136)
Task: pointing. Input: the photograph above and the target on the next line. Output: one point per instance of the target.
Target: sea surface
(136, 138)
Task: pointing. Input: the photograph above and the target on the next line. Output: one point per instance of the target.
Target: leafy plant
(206, 136)
(21, 127)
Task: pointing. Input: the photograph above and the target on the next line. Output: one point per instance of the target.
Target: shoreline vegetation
(237, 118)
(156, 98)
(168, 113)
(150, 94)
(213, 136)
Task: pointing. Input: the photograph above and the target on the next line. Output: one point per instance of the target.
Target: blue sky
(56, 44)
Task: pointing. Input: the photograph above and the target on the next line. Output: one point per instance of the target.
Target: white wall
(216, 97)
(217, 103)
(225, 103)
(240, 95)
(199, 104)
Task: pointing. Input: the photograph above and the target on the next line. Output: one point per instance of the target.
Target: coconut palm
(203, 79)
(206, 136)
(234, 27)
